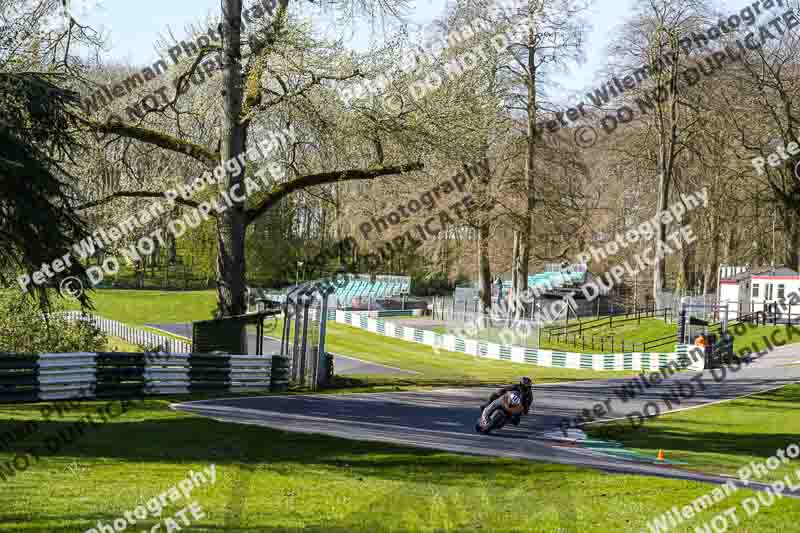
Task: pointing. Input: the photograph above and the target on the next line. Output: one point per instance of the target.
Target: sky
(134, 27)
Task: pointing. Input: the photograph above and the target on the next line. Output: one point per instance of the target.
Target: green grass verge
(115, 344)
(443, 368)
(274, 481)
(139, 307)
(719, 438)
(631, 332)
(752, 338)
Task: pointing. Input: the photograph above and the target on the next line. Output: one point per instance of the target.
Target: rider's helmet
(525, 384)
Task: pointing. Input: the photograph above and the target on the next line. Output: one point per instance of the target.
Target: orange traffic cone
(660, 455)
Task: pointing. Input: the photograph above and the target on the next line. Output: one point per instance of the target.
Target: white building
(747, 290)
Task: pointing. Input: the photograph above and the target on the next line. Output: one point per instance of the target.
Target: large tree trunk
(666, 161)
(516, 259)
(731, 243)
(712, 259)
(231, 223)
(521, 266)
(791, 237)
(484, 272)
(687, 266)
(667, 121)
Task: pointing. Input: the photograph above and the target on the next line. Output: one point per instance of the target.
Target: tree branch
(134, 194)
(195, 151)
(310, 180)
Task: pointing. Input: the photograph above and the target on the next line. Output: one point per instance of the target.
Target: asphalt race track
(343, 366)
(444, 419)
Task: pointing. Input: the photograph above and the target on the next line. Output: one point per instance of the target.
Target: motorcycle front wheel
(496, 421)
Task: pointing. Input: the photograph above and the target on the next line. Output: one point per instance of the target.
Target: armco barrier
(517, 354)
(26, 378)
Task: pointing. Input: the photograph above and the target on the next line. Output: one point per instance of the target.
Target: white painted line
(573, 435)
(604, 421)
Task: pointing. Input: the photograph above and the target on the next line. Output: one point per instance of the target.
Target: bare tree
(765, 89)
(554, 37)
(249, 90)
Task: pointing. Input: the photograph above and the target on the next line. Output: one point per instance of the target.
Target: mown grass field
(139, 307)
(719, 438)
(445, 368)
(629, 332)
(275, 481)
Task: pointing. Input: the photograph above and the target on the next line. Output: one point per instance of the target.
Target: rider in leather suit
(523, 388)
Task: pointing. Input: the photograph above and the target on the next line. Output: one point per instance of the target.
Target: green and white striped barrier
(518, 354)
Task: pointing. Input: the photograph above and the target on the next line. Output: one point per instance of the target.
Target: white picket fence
(139, 337)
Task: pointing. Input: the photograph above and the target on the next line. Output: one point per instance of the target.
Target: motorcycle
(499, 412)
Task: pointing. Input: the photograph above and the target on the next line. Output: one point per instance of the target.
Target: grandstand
(554, 277)
(360, 291)
(363, 286)
(555, 283)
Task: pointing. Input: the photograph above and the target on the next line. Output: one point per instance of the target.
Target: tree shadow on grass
(252, 449)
